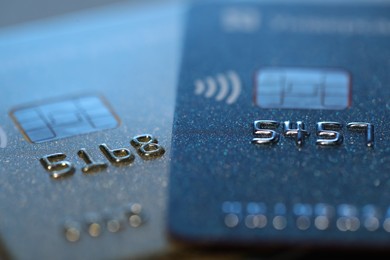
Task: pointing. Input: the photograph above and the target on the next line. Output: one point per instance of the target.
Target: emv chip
(65, 118)
(305, 88)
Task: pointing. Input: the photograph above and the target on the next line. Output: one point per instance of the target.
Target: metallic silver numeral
(147, 146)
(299, 133)
(362, 126)
(329, 137)
(262, 128)
(91, 166)
(56, 166)
(120, 156)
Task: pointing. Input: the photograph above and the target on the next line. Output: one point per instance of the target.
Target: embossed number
(328, 135)
(56, 166)
(147, 146)
(262, 129)
(299, 133)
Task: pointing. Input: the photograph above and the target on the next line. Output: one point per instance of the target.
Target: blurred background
(22, 11)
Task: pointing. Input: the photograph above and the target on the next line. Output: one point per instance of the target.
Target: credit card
(280, 132)
(86, 110)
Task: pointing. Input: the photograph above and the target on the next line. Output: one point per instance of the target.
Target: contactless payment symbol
(65, 118)
(224, 87)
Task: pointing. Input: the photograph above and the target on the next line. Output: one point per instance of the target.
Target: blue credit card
(281, 125)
